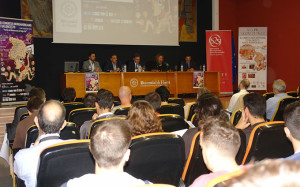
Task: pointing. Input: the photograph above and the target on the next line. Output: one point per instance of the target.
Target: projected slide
(130, 22)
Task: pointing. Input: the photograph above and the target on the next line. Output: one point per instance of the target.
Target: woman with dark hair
(143, 118)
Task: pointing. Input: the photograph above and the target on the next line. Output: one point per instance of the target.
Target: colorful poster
(219, 57)
(91, 82)
(187, 20)
(253, 56)
(198, 79)
(16, 59)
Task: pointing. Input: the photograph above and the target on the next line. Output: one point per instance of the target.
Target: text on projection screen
(132, 22)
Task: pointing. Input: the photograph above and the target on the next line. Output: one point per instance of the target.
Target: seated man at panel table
(188, 64)
(110, 149)
(104, 105)
(243, 86)
(91, 65)
(135, 64)
(125, 97)
(113, 65)
(220, 143)
(69, 95)
(50, 121)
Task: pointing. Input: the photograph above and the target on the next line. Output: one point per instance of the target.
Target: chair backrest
(194, 166)
(117, 103)
(23, 116)
(236, 116)
(32, 134)
(282, 103)
(176, 100)
(99, 122)
(157, 157)
(122, 111)
(64, 161)
(80, 115)
(171, 108)
(224, 177)
(194, 120)
(191, 111)
(268, 95)
(268, 140)
(240, 155)
(72, 106)
(172, 122)
(292, 93)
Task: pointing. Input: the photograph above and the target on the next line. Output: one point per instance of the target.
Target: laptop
(71, 66)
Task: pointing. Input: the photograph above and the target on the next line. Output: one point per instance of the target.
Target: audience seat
(194, 120)
(157, 157)
(292, 93)
(268, 140)
(23, 116)
(172, 122)
(99, 122)
(176, 100)
(236, 116)
(191, 111)
(72, 106)
(214, 182)
(80, 115)
(117, 103)
(64, 161)
(282, 103)
(171, 108)
(122, 111)
(268, 95)
(240, 155)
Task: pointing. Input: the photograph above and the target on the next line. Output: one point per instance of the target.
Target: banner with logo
(253, 56)
(16, 59)
(219, 57)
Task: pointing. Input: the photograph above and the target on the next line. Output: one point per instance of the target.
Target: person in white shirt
(50, 121)
(243, 86)
(110, 149)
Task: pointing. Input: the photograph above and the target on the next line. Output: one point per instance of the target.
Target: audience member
(143, 118)
(113, 65)
(110, 149)
(154, 99)
(125, 97)
(33, 106)
(164, 94)
(91, 65)
(220, 143)
(279, 88)
(253, 113)
(188, 64)
(292, 130)
(69, 95)
(104, 104)
(201, 91)
(135, 64)
(243, 86)
(89, 100)
(50, 120)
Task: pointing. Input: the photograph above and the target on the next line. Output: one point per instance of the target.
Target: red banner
(219, 57)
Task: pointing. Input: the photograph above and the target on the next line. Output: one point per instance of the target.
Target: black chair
(117, 103)
(19, 182)
(236, 116)
(240, 155)
(292, 93)
(282, 103)
(11, 127)
(80, 115)
(157, 157)
(32, 134)
(268, 140)
(176, 100)
(191, 111)
(171, 108)
(172, 122)
(64, 161)
(72, 106)
(99, 122)
(122, 111)
(268, 95)
(23, 116)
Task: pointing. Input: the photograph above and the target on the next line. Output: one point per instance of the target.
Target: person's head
(92, 56)
(154, 99)
(37, 92)
(291, 117)
(159, 58)
(279, 86)
(69, 95)
(125, 95)
(219, 141)
(89, 100)
(51, 117)
(114, 58)
(188, 58)
(104, 100)
(143, 118)
(137, 58)
(201, 91)
(271, 172)
(255, 105)
(244, 84)
(34, 104)
(110, 144)
(163, 92)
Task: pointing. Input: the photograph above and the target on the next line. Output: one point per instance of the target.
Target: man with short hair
(89, 100)
(220, 143)
(125, 96)
(154, 99)
(104, 104)
(253, 113)
(69, 95)
(164, 94)
(135, 64)
(279, 88)
(50, 121)
(188, 64)
(243, 86)
(292, 130)
(110, 149)
(91, 65)
(113, 65)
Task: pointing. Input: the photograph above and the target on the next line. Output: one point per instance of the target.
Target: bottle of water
(203, 67)
(181, 67)
(90, 68)
(139, 68)
(124, 68)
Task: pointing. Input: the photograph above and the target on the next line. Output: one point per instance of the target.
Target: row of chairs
(271, 94)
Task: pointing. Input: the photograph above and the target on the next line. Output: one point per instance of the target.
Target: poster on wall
(198, 79)
(219, 57)
(187, 20)
(16, 59)
(91, 82)
(253, 56)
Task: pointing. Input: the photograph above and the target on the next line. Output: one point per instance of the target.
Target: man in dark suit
(91, 65)
(135, 65)
(113, 65)
(188, 64)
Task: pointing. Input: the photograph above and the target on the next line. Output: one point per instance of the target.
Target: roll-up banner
(219, 57)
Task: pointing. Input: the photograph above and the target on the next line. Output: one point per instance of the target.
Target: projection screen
(125, 22)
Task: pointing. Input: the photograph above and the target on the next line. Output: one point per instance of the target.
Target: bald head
(125, 95)
(244, 84)
(51, 116)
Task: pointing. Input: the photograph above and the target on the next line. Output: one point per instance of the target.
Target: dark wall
(50, 57)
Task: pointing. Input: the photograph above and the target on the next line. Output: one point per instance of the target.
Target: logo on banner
(215, 40)
(134, 82)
